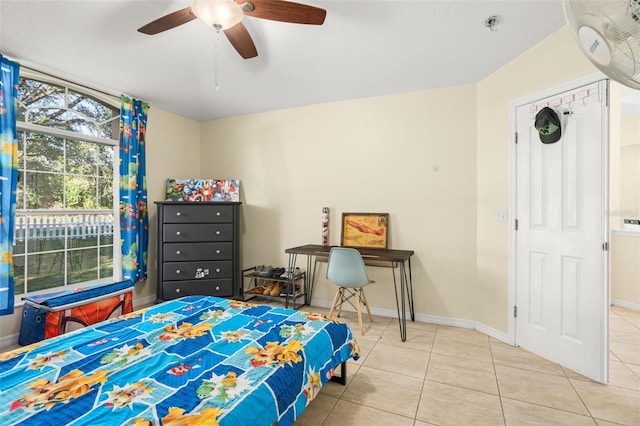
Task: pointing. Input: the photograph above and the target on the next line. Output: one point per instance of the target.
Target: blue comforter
(194, 360)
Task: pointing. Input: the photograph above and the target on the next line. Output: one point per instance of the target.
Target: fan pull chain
(215, 58)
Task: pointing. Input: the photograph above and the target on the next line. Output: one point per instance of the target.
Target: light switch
(501, 216)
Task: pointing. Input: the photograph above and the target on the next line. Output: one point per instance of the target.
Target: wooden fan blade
(285, 11)
(169, 21)
(241, 40)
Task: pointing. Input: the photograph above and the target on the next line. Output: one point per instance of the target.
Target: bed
(193, 360)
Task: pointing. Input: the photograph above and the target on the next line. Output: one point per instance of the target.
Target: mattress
(193, 360)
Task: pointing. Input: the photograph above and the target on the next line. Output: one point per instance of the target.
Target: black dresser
(198, 250)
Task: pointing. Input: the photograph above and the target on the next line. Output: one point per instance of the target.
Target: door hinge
(515, 311)
(516, 138)
(605, 246)
(516, 224)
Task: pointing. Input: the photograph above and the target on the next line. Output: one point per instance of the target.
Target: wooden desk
(382, 257)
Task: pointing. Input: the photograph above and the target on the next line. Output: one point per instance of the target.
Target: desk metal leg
(400, 301)
(395, 289)
(291, 267)
(413, 315)
(309, 275)
(311, 266)
(406, 288)
(292, 261)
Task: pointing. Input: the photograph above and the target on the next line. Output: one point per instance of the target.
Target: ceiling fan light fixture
(220, 14)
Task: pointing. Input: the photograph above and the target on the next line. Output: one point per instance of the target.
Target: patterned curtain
(134, 220)
(9, 72)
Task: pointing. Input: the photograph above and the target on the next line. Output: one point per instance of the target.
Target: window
(67, 152)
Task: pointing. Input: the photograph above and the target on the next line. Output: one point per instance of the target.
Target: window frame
(23, 126)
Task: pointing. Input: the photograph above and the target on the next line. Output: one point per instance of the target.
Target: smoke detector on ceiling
(491, 22)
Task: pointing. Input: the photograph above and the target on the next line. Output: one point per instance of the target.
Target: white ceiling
(365, 48)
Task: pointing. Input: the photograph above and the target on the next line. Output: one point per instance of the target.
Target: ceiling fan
(226, 15)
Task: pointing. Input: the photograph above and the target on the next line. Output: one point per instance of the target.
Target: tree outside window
(65, 201)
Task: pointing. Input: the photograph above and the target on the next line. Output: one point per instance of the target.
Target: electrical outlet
(501, 216)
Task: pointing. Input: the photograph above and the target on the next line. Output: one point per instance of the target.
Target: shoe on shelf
(287, 272)
(286, 292)
(256, 290)
(268, 288)
(277, 272)
(276, 289)
(264, 271)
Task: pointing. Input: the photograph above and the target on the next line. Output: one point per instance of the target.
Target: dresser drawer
(176, 232)
(174, 271)
(185, 252)
(199, 213)
(175, 289)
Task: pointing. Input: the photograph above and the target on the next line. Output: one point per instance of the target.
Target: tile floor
(453, 376)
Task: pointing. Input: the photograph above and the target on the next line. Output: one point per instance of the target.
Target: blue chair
(346, 269)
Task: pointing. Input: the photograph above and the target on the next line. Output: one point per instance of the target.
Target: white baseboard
(496, 334)
(426, 318)
(627, 305)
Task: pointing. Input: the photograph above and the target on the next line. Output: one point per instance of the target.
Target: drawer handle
(218, 214)
(177, 290)
(178, 271)
(178, 233)
(218, 251)
(217, 288)
(217, 232)
(217, 269)
(177, 251)
(178, 214)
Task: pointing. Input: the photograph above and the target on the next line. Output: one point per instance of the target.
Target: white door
(561, 286)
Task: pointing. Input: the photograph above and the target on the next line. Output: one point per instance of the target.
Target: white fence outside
(91, 224)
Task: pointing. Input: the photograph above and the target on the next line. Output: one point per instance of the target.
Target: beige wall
(379, 155)
(173, 150)
(10, 327)
(625, 248)
(368, 155)
(629, 167)
(344, 155)
(625, 269)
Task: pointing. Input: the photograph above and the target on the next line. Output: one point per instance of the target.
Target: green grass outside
(46, 270)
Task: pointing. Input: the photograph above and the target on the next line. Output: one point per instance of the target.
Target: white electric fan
(609, 34)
